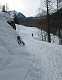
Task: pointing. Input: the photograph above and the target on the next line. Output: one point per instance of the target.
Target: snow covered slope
(47, 58)
(12, 57)
(36, 60)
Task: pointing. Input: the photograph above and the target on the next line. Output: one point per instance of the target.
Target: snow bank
(14, 60)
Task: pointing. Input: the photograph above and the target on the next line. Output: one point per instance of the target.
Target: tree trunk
(59, 34)
(48, 30)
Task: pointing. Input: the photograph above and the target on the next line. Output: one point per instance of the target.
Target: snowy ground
(36, 60)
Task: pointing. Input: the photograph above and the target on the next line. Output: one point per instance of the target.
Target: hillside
(36, 60)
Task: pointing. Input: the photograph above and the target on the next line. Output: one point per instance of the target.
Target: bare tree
(59, 25)
(51, 6)
(47, 5)
(7, 8)
(3, 8)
